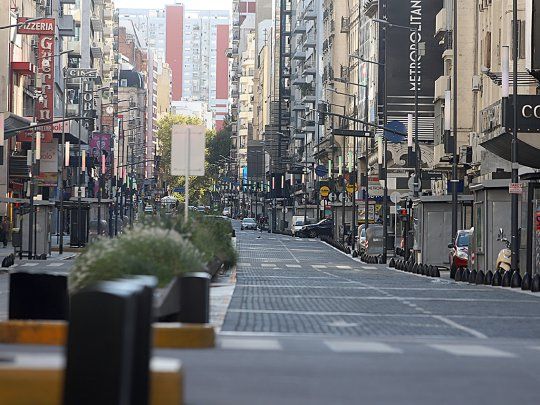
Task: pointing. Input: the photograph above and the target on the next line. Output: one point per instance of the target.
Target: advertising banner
(419, 16)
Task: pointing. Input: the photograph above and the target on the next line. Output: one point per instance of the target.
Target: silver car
(248, 223)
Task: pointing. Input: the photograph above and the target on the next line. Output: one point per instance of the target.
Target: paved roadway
(309, 325)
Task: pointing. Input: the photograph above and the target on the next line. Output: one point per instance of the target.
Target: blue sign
(397, 126)
(180, 190)
(321, 171)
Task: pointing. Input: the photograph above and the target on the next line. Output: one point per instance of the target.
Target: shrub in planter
(143, 250)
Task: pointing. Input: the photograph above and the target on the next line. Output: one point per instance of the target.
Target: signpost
(187, 155)
(395, 197)
(75, 73)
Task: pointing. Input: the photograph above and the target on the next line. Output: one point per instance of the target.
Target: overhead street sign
(351, 133)
(332, 197)
(74, 73)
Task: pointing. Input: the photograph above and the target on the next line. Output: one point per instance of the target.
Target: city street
(307, 324)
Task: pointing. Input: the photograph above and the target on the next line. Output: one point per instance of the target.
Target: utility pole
(515, 240)
(455, 123)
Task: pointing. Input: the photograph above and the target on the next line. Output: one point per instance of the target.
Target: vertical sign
(44, 28)
(87, 99)
(180, 155)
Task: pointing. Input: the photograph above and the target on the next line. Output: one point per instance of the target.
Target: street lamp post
(515, 242)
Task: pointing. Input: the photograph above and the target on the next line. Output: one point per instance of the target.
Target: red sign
(44, 29)
(45, 104)
(515, 188)
(43, 26)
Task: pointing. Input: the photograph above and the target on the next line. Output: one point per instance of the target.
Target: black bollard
(516, 280)
(392, 263)
(465, 275)
(480, 277)
(507, 278)
(472, 277)
(38, 295)
(194, 298)
(489, 278)
(437, 272)
(526, 282)
(497, 279)
(102, 346)
(459, 273)
(535, 286)
(453, 270)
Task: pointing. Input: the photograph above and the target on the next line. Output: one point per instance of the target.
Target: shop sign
(43, 26)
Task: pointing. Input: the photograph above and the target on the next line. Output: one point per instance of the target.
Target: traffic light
(403, 215)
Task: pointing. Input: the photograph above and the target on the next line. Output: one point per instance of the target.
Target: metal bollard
(194, 298)
(108, 348)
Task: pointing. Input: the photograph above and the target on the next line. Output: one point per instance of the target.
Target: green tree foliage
(217, 147)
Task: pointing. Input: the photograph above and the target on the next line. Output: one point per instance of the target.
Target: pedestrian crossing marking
(349, 346)
(250, 344)
(472, 350)
(55, 264)
(29, 264)
(318, 266)
(294, 266)
(343, 267)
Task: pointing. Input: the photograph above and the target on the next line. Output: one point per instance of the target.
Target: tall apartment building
(151, 24)
(196, 45)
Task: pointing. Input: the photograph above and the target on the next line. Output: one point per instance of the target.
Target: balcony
(75, 47)
(300, 28)
(96, 51)
(299, 55)
(108, 13)
(298, 106)
(299, 81)
(441, 85)
(97, 23)
(309, 70)
(441, 23)
(310, 15)
(66, 26)
(311, 41)
(309, 98)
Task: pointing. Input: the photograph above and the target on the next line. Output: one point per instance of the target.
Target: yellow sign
(324, 191)
(351, 188)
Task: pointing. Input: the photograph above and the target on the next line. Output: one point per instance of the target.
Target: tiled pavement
(300, 286)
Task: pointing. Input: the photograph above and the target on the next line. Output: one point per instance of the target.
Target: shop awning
(528, 148)
(12, 122)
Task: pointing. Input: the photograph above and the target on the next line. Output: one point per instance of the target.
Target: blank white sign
(182, 136)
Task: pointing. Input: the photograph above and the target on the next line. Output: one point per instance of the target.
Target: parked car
(226, 211)
(321, 228)
(459, 249)
(248, 223)
(298, 222)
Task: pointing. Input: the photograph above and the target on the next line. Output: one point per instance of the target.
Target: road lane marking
(294, 266)
(344, 267)
(289, 250)
(318, 266)
(368, 267)
(268, 265)
(29, 264)
(249, 344)
(472, 351)
(349, 346)
(456, 325)
(55, 264)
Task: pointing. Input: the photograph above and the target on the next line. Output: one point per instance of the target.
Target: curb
(54, 333)
(39, 383)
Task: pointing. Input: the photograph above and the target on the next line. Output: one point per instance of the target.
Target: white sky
(191, 4)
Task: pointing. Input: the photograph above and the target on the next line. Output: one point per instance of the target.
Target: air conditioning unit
(476, 83)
